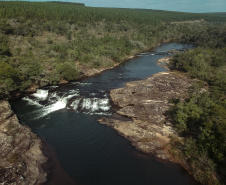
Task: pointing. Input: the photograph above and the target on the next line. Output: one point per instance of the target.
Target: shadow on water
(91, 153)
(55, 173)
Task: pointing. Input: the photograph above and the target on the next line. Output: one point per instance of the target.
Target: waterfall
(41, 94)
(48, 102)
(91, 105)
(31, 102)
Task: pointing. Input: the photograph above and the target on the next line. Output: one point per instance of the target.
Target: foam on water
(93, 94)
(84, 83)
(53, 95)
(95, 104)
(72, 93)
(58, 105)
(91, 105)
(32, 102)
(75, 104)
(56, 101)
(41, 94)
(81, 83)
(86, 104)
(99, 113)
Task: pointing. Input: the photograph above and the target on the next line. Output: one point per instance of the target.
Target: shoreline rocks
(21, 156)
(147, 102)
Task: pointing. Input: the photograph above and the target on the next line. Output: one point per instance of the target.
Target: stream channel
(91, 153)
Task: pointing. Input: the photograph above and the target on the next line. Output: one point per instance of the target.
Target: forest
(42, 43)
(201, 118)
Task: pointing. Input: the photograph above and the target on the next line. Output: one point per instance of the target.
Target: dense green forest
(42, 43)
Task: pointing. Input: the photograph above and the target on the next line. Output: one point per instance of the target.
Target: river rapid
(89, 152)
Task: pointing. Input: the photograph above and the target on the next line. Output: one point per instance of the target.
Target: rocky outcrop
(21, 158)
(146, 103)
(88, 71)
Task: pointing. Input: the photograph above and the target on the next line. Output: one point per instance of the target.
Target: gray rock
(21, 157)
(146, 103)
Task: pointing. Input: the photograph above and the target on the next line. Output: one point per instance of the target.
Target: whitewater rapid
(47, 102)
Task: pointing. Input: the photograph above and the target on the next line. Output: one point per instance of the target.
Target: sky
(197, 6)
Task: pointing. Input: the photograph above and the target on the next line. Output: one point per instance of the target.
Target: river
(91, 153)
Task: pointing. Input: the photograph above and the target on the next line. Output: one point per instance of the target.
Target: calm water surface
(91, 153)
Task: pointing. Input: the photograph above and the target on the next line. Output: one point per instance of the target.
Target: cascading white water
(105, 105)
(61, 103)
(54, 102)
(32, 102)
(75, 104)
(91, 105)
(86, 104)
(41, 94)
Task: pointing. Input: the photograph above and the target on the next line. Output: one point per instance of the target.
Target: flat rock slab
(146, 103)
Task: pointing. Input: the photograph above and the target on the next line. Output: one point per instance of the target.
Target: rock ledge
(146, 102)
(21, 157)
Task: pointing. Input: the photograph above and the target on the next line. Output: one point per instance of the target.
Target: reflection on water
(89, 152)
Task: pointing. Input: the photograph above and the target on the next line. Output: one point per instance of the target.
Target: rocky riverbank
(146, 102)
(21, 157)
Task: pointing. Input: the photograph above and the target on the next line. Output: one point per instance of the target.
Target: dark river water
(91, 153)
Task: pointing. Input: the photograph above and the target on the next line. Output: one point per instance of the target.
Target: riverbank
(21, 157)
(84, 72)
(53, 165)
(146, 103)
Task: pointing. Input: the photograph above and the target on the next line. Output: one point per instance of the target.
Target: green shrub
(67, 71)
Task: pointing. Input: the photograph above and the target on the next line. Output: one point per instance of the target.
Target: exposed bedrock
(146, 102)
(21, 157)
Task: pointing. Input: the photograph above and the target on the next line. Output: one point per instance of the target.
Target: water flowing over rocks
(21, 158)
(146, 103)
